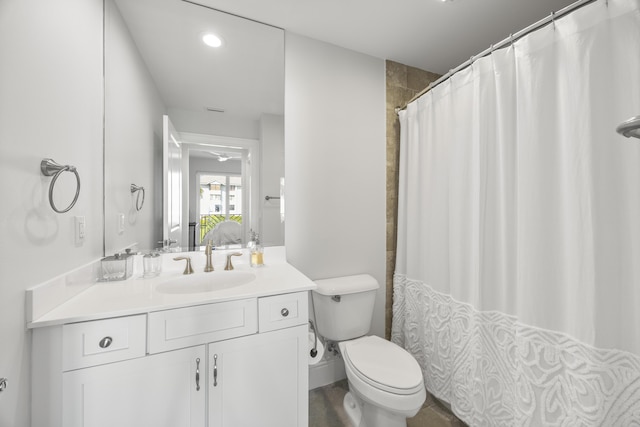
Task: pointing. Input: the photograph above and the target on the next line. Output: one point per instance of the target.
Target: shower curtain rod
(509, 40)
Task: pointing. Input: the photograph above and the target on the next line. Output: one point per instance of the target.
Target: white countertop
(138, 295)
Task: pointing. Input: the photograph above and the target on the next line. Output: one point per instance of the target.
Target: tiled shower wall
(403, 83)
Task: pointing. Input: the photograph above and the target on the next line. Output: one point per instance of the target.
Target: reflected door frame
(250, 173)
(172, 209)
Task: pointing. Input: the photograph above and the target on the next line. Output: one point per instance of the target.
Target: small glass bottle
(257, 252)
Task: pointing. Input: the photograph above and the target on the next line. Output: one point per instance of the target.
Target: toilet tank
(344, 306)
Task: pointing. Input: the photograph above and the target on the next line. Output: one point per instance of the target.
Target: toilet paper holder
(314, 350)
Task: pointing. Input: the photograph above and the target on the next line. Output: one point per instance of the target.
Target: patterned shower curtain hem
(497, 371)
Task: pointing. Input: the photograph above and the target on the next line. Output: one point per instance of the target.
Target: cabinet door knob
(105, 342)
(284, 312)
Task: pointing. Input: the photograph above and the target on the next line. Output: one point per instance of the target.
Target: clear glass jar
(152, 263)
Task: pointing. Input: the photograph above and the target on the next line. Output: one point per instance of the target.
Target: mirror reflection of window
(220, 202)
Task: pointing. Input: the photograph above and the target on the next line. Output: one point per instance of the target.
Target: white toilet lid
(383, 364)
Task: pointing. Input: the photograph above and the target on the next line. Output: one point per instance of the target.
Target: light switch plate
(80, 229)
(120, 223)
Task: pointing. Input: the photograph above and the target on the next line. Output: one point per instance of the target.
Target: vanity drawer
(103, 341)
(186, 327)
(283, 311)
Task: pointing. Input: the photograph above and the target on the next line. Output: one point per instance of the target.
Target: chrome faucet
(207, 252)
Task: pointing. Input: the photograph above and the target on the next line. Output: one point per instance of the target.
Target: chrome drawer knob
(284, 312)
(105, 342)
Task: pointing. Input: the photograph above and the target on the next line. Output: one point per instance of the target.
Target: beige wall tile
(402, 84)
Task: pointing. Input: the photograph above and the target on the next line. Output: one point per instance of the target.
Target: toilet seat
(383, 365)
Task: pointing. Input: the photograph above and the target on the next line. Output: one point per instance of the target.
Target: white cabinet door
(260, 380)
(154, 391)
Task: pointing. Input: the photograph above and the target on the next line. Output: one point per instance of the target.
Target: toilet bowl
(385, 382)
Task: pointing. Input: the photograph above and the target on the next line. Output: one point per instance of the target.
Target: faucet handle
(187, 269)
(166, 244)
(229, 265)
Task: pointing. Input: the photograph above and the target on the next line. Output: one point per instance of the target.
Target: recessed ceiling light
(212, 40)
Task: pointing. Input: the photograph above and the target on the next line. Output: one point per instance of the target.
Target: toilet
(385, 382)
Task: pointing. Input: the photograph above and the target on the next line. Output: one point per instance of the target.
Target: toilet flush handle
(336, 298)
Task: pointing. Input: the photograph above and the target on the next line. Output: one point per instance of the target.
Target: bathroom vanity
(145, 352)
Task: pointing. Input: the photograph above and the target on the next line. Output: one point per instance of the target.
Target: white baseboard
(329, 370)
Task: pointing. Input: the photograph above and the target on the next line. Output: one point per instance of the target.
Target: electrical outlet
(79, 229)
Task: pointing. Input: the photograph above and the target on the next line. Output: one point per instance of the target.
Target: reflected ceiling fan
(222, 157)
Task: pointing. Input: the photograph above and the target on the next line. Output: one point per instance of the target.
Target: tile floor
(325, 410)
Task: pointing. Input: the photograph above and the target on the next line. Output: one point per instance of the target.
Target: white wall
(43, 43)
(335, 163)
(133, 140)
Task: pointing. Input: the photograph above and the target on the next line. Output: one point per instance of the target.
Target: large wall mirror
(194, 133)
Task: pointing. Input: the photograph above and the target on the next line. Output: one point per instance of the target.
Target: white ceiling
(429, 34)
(246, 76)
(243, 77)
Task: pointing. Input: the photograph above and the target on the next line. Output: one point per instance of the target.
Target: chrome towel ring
(139, 190)
(51, 168)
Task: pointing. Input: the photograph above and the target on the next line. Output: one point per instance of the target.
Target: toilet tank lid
(346, 285)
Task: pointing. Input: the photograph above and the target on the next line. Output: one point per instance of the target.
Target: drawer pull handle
(105, 342)
(215, 370)
(284, 312)
(198, 374)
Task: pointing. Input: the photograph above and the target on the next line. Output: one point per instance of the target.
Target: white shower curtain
(517, 282)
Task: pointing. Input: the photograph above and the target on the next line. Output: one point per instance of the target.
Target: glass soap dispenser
(256, 251)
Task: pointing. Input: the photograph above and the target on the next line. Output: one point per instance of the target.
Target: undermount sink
(205, 282)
